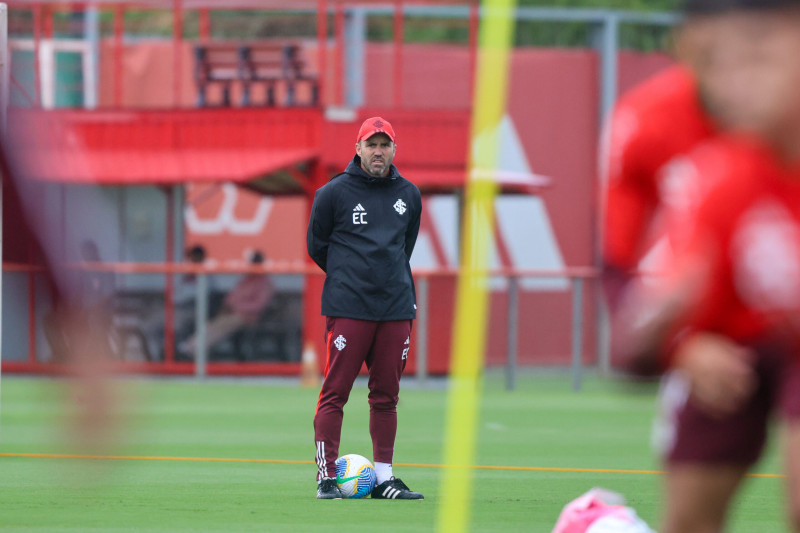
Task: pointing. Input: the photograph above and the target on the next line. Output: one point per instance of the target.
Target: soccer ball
(355, 475)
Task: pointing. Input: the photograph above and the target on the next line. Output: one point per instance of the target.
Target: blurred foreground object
(76, 326)
(600, 511)
(723, 312)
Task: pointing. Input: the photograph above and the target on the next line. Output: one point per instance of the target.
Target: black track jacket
(361, 232)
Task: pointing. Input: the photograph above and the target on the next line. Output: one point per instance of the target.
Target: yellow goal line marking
(298, 462)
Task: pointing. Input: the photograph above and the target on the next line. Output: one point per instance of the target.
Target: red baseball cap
(374, 125)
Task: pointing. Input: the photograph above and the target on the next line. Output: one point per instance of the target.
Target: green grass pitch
(541, 424)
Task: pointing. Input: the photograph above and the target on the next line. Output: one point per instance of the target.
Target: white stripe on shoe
(390, 493)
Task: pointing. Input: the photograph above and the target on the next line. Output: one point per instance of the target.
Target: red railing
(425, 362)
(44, 15)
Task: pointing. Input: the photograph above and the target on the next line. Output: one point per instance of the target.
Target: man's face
(377, 154)
(752, 73)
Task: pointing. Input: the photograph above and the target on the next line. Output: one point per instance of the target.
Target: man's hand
(720, 372)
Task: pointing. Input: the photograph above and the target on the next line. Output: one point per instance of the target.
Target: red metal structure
(119, 145)
(146, 129)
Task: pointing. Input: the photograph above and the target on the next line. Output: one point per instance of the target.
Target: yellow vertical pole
(491, 80)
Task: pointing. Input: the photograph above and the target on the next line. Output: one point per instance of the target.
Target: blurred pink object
(599, 511)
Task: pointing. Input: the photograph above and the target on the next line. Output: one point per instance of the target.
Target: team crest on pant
(400, 206)
(340, 343)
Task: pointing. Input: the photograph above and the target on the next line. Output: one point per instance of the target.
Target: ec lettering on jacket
(359, 215)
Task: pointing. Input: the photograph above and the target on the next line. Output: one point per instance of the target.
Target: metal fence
(25, 352)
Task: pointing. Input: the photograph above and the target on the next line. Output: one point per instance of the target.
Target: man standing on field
(363, 227)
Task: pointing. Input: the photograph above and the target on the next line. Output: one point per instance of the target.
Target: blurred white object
(600, 511)
(616, 524)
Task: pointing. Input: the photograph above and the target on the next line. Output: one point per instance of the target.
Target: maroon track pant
(350, 343)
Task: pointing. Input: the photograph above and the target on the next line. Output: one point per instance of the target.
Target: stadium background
(107, 93)
(132, 163)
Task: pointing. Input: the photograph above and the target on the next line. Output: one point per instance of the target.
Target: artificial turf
(541, 424)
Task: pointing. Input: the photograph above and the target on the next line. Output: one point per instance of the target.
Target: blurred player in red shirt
(652, 127)
(726, 315)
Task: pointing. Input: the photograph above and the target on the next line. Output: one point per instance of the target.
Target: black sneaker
(395, 489)
(329, 490)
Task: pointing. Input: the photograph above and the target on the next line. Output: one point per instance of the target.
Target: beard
(377, 167)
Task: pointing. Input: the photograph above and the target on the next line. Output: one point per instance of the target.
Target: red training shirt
(746, 233)
(651, 127)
